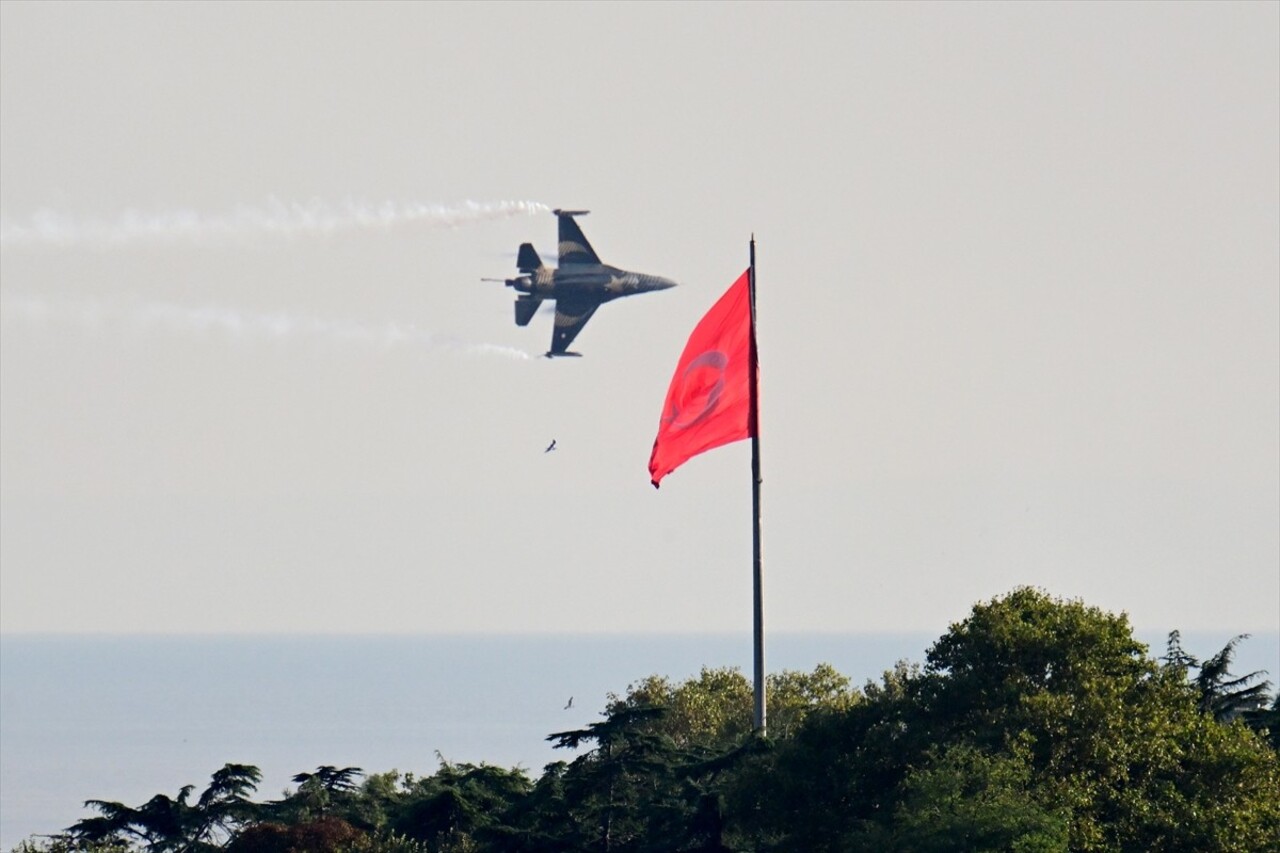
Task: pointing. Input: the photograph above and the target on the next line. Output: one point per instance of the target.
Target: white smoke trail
(101, 315)
(276, 217)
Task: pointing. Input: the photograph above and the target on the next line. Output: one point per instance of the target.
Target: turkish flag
(711, 398)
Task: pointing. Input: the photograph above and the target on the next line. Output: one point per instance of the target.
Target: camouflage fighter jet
(579, 286)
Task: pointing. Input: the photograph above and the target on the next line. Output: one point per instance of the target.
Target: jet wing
(574, 248)
(571, 316)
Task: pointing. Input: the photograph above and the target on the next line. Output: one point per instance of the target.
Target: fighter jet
(579, 286)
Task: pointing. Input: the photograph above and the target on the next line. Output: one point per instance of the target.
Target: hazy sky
(1019, 300)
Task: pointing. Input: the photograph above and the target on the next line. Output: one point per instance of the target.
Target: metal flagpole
(757, 566)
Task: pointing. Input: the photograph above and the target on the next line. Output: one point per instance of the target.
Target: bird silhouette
(570, 705)
(551, 446)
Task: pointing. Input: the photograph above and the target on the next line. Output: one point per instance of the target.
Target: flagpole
(757, 573)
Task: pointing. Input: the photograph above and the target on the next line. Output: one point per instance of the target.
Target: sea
(122, 718)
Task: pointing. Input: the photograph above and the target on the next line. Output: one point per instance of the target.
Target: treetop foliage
(1035, 724)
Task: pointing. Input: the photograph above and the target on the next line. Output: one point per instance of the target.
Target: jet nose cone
(660, 283)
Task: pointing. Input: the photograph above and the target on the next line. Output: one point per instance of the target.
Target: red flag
(711, 396)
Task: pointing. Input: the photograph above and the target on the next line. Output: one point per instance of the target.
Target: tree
(633, 789)
(793, 695)
(834, 780)
(1226, 697)
(964, 800)
(713, 712)
(225, 804)
(619, 795)
(1112, 744)
(1223, 696)
(708, 712)
(1036, 725)
(1267, 723)
(63, 843)
(331, 779)
(459, 805)
(164, 824)
(1108, 733)
(321, 835)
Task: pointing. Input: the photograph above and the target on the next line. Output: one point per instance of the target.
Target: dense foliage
(1034, 725)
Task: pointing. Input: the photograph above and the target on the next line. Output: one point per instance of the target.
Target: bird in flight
(570, 705)
(551, 446)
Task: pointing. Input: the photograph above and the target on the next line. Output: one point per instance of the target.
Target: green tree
(966, 801)
(319, 835)
(1036, 725)
(1267, 723)
(833, 783)
(1227, 697)
(164, 824)
(713, 712)
(1108, 733)
(710, 711)
(1222, 695)
(64, 843)
(1113, 744)
(459, 806)
(328, 792)
(632, 789)
(618, 793)
(793, 695)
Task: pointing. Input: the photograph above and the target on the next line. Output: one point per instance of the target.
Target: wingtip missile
(560, 212)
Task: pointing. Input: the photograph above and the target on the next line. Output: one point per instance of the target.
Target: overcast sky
(1019, 290)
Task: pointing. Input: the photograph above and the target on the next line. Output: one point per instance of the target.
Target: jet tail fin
(526, 307)
(528, 260)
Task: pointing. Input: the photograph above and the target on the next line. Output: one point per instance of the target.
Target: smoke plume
(165, 317)
(275, 218)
